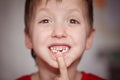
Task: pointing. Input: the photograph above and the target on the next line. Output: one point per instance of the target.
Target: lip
(59, 44)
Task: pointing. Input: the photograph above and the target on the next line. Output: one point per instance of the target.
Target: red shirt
(85, 76)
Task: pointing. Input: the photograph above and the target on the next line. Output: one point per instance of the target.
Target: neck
(47, 72)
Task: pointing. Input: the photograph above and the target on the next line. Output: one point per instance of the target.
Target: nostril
(59, 34)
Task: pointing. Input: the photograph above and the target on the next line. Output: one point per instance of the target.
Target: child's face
(59, 27)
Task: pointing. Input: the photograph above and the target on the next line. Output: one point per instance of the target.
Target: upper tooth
(52, 48)
(59, 48)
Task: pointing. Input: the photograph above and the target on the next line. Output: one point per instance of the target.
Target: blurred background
(103, 59)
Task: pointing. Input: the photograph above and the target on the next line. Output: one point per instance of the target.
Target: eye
(44, 21)
(74, 21)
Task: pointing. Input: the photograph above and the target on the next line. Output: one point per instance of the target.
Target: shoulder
(26, 77)
(87, 76)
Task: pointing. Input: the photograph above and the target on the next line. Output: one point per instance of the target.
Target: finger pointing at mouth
(62, 67)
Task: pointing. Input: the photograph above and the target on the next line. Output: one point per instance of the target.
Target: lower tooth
(63, 50)
(55, 51)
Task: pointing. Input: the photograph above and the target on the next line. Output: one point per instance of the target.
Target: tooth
(64, 49)
(52, 48)
(60, 49)
(55, 51)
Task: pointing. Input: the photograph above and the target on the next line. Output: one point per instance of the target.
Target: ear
(90, 39)
(28, 42)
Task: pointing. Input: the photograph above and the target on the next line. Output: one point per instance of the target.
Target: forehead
(59, 3)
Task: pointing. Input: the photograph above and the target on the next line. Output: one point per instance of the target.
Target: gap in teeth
(61, 49)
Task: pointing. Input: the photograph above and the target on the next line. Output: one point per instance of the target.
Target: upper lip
(59, 44)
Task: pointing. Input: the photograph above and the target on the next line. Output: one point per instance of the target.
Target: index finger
(62, 65)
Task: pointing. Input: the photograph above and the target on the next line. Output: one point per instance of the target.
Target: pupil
(72, 21)
(46, 21)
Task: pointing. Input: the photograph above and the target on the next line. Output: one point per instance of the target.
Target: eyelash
(44, 21)
(71, 21)
(74, 21)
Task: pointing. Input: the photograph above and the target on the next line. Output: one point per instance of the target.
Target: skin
(59, 24)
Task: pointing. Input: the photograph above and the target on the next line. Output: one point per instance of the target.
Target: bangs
(46, 1)
(30, 8)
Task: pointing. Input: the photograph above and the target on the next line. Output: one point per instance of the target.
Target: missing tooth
(60, 50)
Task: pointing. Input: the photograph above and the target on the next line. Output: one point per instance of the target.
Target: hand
(62, 67)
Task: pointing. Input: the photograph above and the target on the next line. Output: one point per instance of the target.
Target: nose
(59, 31)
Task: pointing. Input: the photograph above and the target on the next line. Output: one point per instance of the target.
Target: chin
(54, 65)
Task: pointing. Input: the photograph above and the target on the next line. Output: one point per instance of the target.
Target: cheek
(79, 37)
(40, 37)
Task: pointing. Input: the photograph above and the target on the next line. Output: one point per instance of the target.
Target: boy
(58, 32)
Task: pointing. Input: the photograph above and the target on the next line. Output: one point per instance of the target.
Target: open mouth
(59, 48)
